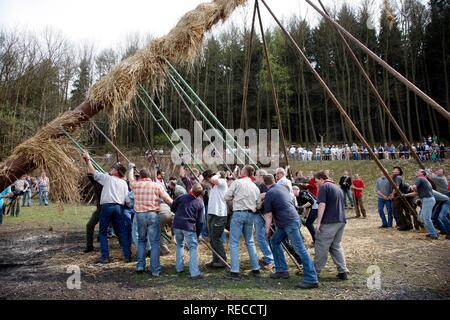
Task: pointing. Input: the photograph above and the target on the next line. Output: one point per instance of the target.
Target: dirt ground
(37, 248)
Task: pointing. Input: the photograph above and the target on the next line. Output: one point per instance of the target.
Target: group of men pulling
(249, 202)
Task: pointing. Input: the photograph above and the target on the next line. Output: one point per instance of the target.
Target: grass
(411, 266)
(54, 215)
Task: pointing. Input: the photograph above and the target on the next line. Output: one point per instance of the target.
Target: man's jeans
(348, 194)
(205, 232)
(260, 233)
(292, 232)
(425, 215)
(216, 227)
(443, 219)
(113, 213)
(390, 211)
(242, 223)
(191, 240)
(135, 234)
(309, 224)
(43, 195)
(149, 227)
(26, 200)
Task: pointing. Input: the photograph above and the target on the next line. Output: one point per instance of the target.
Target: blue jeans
(191, 240)
(128, 215)
(135, 234)
(443, 219)
(292, 232)
(43, 195)
(425, 214)
(309, 224)
(2, 208)
(390, 210)
(26, 199)
(242, 223)
(204, 232)
(149, 228)
(113, 213)
(348, 194)
(260, 233)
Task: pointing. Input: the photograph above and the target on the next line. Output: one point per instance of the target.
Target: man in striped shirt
(147, 199)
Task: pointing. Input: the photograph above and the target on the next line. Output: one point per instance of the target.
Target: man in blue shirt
(187, 225)
(330, 225)
(278, 205)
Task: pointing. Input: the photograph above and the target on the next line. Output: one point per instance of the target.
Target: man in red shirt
(312, 185)
(358, 187)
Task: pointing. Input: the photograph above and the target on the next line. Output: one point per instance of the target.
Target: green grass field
(37, 247)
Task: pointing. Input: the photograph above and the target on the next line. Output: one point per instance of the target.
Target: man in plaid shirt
(147, 199)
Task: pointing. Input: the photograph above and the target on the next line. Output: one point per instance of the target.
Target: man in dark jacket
(90, 226)
(187, 226)
(345, 183)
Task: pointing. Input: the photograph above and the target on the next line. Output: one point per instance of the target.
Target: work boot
(306, 285)
(102, 260)
(279, 275)
(255, 273)
(233, 275)
(88, 249)
(342, 276)
(200, 276)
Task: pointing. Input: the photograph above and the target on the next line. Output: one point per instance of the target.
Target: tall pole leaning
(340, 108)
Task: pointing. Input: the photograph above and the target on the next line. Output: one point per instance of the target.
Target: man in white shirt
(217, 216)
(244, 195)
(283, 180)
(112, 200)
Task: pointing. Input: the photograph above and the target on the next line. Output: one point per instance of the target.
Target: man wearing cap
(112, 200)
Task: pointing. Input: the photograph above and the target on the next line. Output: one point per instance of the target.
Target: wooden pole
(377, 95)
(341, 109)
(384, 64)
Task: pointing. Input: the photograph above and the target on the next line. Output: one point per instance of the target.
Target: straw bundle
(183, 45)
(54, 156)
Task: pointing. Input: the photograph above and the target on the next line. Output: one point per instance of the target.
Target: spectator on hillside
(44, 188)
(345, 183)
(358, 189)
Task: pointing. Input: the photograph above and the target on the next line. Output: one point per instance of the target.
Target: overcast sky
(106, 23)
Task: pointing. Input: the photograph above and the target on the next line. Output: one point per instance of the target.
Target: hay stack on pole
(50, 151)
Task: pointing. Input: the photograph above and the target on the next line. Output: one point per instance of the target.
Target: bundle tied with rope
(48, 150)
(54, 156)
(183, 46)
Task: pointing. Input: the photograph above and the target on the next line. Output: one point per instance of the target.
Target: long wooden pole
(340, 108)
(383, 63)
(377, 94)
(274, 91)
